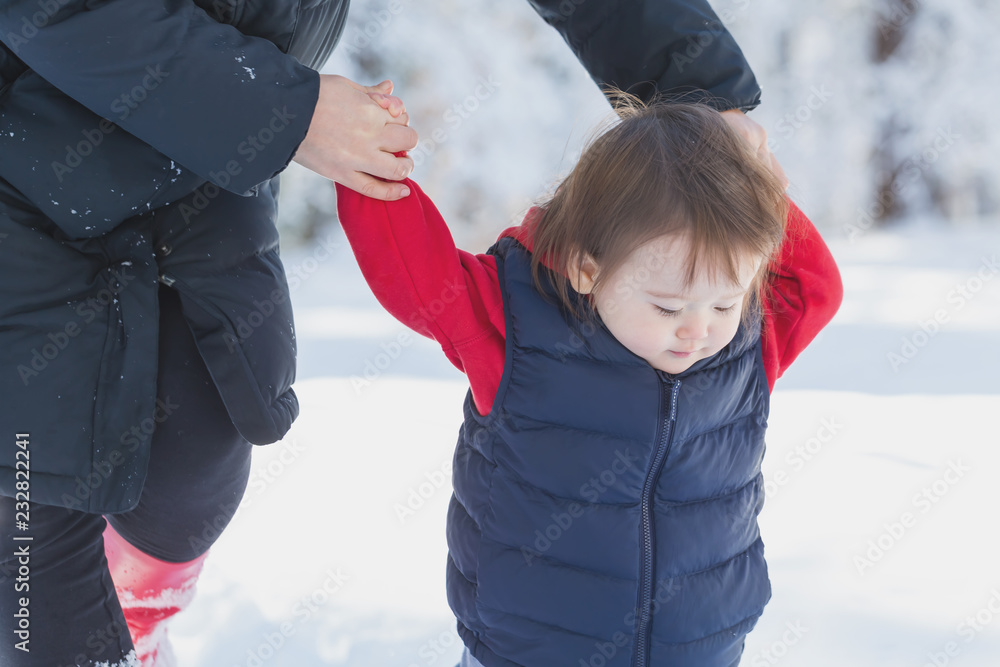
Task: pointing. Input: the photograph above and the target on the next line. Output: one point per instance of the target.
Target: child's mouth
(682, 355)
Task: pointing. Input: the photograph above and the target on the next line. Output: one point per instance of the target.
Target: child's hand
(756, 136)
(392, 104)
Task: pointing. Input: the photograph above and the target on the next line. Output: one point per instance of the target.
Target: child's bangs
(663, 170)
(721, 250)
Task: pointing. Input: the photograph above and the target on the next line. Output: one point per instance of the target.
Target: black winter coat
(140, 142)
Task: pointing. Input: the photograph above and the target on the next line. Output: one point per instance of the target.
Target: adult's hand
(756, 136)
(354, 133)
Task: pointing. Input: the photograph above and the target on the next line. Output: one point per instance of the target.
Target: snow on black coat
(140, 142)
(115, 115)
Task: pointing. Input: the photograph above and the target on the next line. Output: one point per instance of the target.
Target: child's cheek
(730, 333)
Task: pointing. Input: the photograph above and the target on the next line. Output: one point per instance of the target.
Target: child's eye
(666, 312)
(726, 310)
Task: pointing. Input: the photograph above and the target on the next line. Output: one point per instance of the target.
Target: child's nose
(693, 328)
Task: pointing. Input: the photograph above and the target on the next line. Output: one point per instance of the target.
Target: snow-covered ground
(882, 474)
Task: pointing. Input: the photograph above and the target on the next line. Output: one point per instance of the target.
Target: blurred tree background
(881, 112)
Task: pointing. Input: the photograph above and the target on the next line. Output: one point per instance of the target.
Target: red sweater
(410, 260)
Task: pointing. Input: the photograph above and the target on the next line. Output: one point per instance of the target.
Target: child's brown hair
(665, 168)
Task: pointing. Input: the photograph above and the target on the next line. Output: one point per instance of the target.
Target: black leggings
(198, 470)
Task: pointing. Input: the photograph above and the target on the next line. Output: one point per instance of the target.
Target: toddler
(621, 345)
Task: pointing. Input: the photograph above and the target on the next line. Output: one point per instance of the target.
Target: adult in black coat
(146, 335)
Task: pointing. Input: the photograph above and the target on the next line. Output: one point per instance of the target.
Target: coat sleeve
(229, 107)
(650, 46)
(804, 294)
(411, 263)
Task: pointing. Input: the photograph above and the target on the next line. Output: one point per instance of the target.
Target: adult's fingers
(385, 88)
(388, 166)
(402, 119)
(395, 138)
(778, 170)
(390, 103)
(756, 137)
(372, 187)
(767, 157)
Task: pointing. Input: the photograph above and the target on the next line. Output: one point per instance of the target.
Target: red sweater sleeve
(804, 294)
(411, 263)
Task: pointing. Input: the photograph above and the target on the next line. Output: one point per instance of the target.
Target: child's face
(647, 307)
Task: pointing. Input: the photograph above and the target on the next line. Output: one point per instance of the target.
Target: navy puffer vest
(605, 513)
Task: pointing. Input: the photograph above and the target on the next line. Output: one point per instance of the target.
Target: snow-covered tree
(879, 112)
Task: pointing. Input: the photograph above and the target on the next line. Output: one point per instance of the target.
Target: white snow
(321, 567)
(131, 660)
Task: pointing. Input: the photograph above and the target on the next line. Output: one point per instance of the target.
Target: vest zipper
(644, 620)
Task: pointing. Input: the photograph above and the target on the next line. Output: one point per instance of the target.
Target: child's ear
(582, 273)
